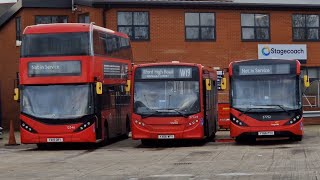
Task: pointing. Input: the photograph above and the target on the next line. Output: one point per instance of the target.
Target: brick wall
(167, 41)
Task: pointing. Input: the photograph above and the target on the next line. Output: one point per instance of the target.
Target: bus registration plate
(54, 139)
(165, 136)
(266, 133)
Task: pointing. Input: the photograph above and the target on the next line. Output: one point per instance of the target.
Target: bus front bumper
(195, 132)
(278, 131)
(88, 135)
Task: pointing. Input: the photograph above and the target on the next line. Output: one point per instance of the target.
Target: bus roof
(67, 27)
(168, 64)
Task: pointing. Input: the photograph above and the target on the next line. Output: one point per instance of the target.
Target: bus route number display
(264, 69)
(54, 68)
(166, 73)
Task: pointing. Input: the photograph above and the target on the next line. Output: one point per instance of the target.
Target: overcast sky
(8, 1)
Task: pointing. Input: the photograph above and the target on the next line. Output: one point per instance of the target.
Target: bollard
(12, 138)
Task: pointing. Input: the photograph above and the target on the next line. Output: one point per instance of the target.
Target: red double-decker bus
(173, 101)
(265, 99)
(73, 80)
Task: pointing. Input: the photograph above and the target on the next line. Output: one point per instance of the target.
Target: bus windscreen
(266, 92)
(58, 44)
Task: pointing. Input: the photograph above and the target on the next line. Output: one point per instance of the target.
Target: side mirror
(16, 94)
(99, 87)
(223, 83)
(306, 81)
(128, 86)
(208, 84)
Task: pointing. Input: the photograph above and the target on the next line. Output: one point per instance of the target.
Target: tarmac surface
(129, 160)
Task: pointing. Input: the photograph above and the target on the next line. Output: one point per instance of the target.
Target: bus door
(118, 116)
(108, 111)
(208, 111)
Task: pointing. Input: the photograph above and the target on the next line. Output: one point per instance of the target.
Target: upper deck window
(59, 44)
(51, 19)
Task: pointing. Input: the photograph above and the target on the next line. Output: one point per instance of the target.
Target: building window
(200, 26)
(255, 27)
(18, 28)
(84, 18)
(134, 24)
(305, 27)
(51, 19)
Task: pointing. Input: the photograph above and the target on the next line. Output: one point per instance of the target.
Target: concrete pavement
(128, 159)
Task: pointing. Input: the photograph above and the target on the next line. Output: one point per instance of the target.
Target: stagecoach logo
(275, 123)
(266, 117)
(265, 50)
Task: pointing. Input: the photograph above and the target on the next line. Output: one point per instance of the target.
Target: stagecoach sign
(282, 51)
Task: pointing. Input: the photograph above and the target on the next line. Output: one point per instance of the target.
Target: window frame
(199, 26)
(35, 18)
(18, 30)
(306, 28)
(255, 28)
(132, 38)
(83, 15)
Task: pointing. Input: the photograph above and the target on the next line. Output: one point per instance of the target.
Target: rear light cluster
(193, 122)
(26, 127)
(139, 123)
(237, 121)
(295, 119)
(84, 126)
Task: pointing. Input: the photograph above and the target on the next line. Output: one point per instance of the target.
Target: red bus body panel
(224, 115)
(177, 126)
(255, 126)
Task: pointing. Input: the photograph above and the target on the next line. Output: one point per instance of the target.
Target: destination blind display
(264, 69)
(166, 73)
(54, 68)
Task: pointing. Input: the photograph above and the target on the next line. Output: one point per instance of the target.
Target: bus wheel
(106, 135)
(128, 128)
(146, 142)
(42, 146)
(296, 138)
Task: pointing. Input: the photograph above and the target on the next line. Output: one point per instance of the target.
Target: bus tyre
(296, 138)
(42, 146)
(128, 128)
(146, 142)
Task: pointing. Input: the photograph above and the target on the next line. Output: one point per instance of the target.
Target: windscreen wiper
(247, 110)
(284, 109)
(181, 113)
(148, 115)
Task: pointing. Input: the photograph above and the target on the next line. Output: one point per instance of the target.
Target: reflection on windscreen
(253, 92)
(166, 97)
(57, 101)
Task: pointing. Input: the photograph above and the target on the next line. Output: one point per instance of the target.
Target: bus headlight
(139, 123)
(237, 121)
(26, 127)
(294, 119)
(84, 126)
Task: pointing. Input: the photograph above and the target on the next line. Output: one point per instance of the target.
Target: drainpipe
(104, 18)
